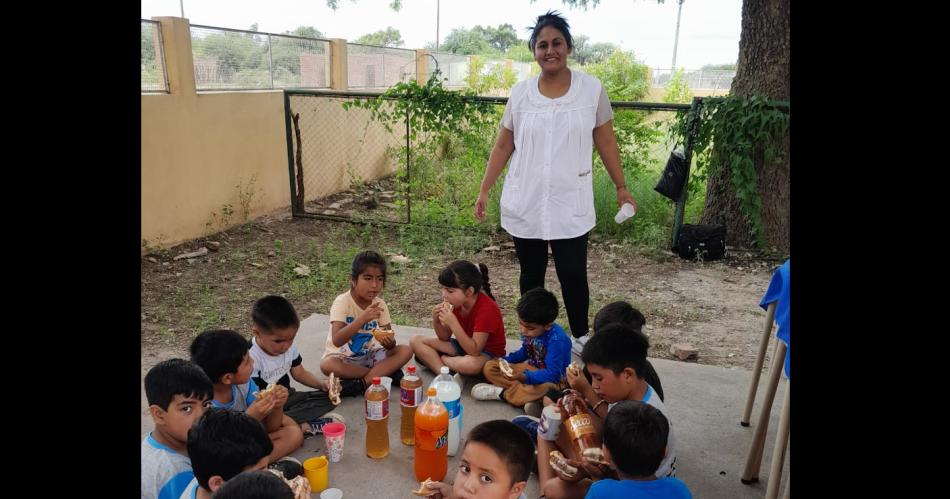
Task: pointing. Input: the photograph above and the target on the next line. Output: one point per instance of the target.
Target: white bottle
(450, 393)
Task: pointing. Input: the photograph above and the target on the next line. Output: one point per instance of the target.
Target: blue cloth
(549, 353)
(661, 488)
(779, 291)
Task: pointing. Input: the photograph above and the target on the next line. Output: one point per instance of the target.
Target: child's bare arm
(472, 345)
(342, 332)
(442, 331)
(305, 377)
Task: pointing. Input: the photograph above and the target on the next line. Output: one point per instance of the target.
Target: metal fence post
(295, 210)
(408, 169)
(691, 123)
(270, 60)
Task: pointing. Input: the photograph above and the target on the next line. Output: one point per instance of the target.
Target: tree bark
(762, 68)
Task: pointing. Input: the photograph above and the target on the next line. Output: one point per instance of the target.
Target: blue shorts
(460, 351)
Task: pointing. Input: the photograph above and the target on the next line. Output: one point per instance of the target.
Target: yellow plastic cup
(316, 471)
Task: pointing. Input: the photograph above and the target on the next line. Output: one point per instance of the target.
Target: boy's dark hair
(257, 484)
(274, 312)
(619, 311)
(290, 469)
(224, 442)
(176, 377)
(365, 259)
(538, 306)
(616, 347)
(219, 352)
(511, 443)
(555, 20)
(635, 434)
(465, 274)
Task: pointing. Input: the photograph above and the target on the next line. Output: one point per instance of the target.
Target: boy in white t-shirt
(276, 360)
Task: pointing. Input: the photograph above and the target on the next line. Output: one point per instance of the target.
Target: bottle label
(410, 397)
(454, 407)
(377, 409)
(578, 426)
(430, 440)
(442, 441)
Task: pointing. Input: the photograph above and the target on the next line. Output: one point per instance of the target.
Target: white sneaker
(577, 344)
(486, 391)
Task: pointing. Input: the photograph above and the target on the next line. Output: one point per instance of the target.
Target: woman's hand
(481, 206)
(624, 196)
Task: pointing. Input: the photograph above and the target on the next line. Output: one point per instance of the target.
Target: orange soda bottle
(432, 432)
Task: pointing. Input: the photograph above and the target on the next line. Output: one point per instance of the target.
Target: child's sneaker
(316, 425)
(528, 424)
(397, 377)
(486, 391)
(352, 387)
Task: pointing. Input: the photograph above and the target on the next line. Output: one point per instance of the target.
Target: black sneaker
(352, 387)
(397, 377)
(316, 425)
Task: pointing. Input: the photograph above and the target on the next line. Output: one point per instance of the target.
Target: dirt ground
(712, 305)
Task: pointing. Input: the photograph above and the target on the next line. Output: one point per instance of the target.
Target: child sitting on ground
(541, 362)
(635, 436)
(276, 359)
(178, 392)
(351, 351)
(222, 444)
(495, 464)
(468, 324)
(224, 356)
(624, 313)
(615, 356)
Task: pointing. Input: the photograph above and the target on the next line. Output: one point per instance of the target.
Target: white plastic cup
(626, 211)
(387, 382)
(550, 423)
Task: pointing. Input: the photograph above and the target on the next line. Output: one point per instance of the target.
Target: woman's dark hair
(553, 19)
(464, 274)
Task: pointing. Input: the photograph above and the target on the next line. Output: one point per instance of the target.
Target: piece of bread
(506, 368)
(574, 369)
(335, 388)
(559, 463)
(379, 334)
(595, 455)
(262, 394)
(425, 488)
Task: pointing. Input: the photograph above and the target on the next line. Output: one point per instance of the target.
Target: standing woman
(550, 125)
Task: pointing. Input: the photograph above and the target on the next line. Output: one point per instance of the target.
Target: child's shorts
(368, 359)
(459, 351)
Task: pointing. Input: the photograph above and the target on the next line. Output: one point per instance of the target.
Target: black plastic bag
(705, 242)
(673, 177)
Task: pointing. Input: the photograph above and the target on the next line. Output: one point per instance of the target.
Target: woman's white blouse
(549, 191)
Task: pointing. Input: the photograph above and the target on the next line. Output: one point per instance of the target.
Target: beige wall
(197, 149)
(200, 151)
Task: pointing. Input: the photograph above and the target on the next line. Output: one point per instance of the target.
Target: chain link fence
(370, 67)
(230, 59)
(346, 166)
(153, 58)
(704, 79)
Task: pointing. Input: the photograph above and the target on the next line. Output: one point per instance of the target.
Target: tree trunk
(763, 68)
